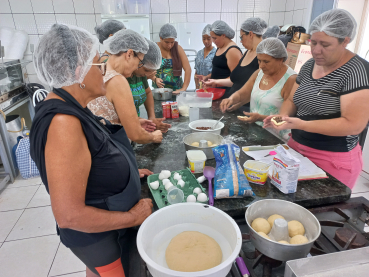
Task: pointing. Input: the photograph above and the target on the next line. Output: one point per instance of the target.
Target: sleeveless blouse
(101, 106)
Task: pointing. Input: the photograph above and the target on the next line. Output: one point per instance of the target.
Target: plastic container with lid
(196, 160)
(256, 172)
(175, 195)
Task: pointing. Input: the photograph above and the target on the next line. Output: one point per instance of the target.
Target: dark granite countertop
(171, 155)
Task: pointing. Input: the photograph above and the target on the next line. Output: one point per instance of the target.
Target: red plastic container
(217, 92)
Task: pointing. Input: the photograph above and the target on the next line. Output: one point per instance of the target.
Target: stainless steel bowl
(196, 137)
(290, 211)
(162, 94)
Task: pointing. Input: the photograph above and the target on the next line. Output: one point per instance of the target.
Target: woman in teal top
(173, 61)
(267, 88)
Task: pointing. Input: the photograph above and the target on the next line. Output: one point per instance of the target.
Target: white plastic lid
(196, 155)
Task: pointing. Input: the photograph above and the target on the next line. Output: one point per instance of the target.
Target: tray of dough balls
(180, 186)
(282, 230)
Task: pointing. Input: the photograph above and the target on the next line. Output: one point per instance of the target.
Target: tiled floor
(29, 245)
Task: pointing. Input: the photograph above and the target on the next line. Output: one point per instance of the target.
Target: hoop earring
(82, 86)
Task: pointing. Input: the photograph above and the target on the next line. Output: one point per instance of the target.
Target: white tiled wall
(37, 16)
(234, 12)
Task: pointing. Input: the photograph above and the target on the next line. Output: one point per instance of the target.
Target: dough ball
(191, 198)
(154, 185)
(261, 225)
(272, 218)
(193, 251)
(295, 228)
(195, 144)
(283, 241)
(166, 181)
(264, 235)
(168, 185)
(299, 239)
(214, 145)
(209, 143)
(202, 197)
(197, 190)
(181, 183)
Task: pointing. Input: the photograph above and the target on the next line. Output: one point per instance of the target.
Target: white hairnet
(124, 40)
(219, 28)
(167, 31)
(336, 23)
(64, 55)
(207, 30)
(152, 59)
(271, 32)
(255, 25)
(272, 47)
(108, 27)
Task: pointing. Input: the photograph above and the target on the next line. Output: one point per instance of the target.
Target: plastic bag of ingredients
(285, 171)
(229, 180)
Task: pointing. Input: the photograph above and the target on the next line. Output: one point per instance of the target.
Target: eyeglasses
(141, 64)
(101, 66)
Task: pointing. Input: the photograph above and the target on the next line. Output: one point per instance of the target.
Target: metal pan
(290, 211)
(162, 94)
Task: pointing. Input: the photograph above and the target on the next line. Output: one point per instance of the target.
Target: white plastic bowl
(159, 228)
(206, 123)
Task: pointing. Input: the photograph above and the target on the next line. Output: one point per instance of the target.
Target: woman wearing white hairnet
(127, 50)
(204, 58)
(250, 36)
(88, 169)
(328, 106)
(140, 88)
(173, 62)
(267, 88)
(228, 53)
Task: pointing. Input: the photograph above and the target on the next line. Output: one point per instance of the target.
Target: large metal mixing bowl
(290, 211)
(162, 94)
(196, 137)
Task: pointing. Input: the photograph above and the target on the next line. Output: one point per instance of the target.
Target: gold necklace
(265, 82)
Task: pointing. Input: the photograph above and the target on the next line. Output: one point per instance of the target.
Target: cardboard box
(298, 54)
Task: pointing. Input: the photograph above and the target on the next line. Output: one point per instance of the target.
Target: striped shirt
(318, 99)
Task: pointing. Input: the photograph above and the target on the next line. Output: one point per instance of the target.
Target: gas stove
(342, 229)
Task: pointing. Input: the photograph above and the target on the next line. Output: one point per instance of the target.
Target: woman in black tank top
(89, 169)
(250, 37)
(228, 53)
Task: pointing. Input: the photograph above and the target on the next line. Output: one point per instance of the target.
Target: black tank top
(220, 66)
(110, 171)
(241, 74)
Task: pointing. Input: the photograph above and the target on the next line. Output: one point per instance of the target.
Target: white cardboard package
(285, 171)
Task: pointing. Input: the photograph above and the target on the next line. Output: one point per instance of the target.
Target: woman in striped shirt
(328, 106)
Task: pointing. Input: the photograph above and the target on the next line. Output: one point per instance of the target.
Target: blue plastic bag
(229, 180)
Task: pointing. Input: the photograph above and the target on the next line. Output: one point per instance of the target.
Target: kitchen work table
(171, 155)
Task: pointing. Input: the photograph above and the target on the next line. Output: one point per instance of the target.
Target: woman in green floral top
(174, 59)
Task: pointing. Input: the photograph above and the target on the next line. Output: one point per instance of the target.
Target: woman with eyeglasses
(173, 62)
(127, 49)
(89, 169)
(141, 91)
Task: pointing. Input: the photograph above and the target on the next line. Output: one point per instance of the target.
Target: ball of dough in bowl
(209, 143)
(272, 218)
(283, 241)
(264, 235)
(295, 228)
(195, 144)
(261, 225)
(298, 239)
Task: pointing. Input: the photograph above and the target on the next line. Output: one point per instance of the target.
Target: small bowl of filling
(205, 125)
